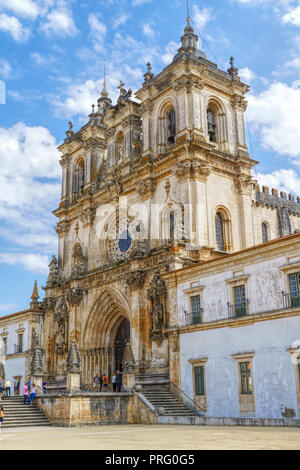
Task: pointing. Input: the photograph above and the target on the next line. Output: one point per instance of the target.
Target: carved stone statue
(79, 266)
(34, 339)
(157, 294)
(53, 277)
(61, 317)
(211, 126)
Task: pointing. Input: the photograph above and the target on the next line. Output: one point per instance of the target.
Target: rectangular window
(240, 303)
(20, 343)
(199, 380)
(295, 289)
(4, 346)
(196, 309)
(246, 378)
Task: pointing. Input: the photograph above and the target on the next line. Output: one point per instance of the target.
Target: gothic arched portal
(106, 332)
(122, 338)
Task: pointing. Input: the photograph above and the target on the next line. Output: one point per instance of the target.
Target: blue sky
(51, 61)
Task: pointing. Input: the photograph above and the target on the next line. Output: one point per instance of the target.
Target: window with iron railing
(195, 317)
(240, 308)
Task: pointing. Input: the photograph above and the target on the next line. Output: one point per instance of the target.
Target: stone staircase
(162, 397)
(19, 415)
(56, 386)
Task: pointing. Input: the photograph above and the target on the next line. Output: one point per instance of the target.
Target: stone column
(135, 281)
(244, 189)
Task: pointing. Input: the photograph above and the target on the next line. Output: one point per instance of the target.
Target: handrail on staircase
(198, 407)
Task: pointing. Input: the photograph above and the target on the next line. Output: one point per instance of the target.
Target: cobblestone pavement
(149, 438)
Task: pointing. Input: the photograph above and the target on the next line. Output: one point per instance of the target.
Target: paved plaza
(150, 438)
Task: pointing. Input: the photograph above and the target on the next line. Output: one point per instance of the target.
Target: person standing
(29, 384)
(105, 382)
(32, 394)
(101, 382)
(114, 382)
(118, 381)
(25, 394)
(1, 417)
(8, 388)
(44, 387)
(97, 383)
(1, 385)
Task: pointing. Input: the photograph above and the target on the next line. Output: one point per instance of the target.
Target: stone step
(24, 425)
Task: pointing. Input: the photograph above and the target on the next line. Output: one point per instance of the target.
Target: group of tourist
(5, 387)
(102, 382)
(29, 392)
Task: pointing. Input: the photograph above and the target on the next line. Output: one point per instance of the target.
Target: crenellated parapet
(277, 199)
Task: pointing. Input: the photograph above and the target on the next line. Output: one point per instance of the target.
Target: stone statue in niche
(53, 277)
(34, 339)
(61, 317)
(211, 126)
(120, 152)
(79, 265)
(157, 294)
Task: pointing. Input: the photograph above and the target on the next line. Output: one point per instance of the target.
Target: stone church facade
(149, 187)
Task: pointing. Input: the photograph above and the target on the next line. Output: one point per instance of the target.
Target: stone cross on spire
(120, 87)
(34, 304)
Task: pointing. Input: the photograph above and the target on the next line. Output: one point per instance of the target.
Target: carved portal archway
(106, 330)
(122, 338)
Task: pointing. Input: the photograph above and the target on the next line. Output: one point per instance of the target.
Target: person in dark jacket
(118, 382)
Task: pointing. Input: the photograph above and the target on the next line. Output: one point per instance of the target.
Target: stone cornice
(289, 242)
(236, 322)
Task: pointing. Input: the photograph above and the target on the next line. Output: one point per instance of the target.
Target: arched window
(264, 230)
(171, 120)
(223, 230)
(120, 148)
(216, 124)
(211, 125)
(167, 126)
(172, 224)
(78, 178)
(220, 232)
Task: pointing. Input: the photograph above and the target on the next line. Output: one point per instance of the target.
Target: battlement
(276, 199)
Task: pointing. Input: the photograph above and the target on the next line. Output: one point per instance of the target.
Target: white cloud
(247, 75)
(12, 26)
(148, 30)
(30, 262)
(201, 17)
(5, 69)
(274, 114)
(29, 190)
(97, 32)
(77, 99)
(59, 21)
(120, 20)
(169, 52)
(283, 180)
(26, 8)
(293, 16)
(136, 3)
